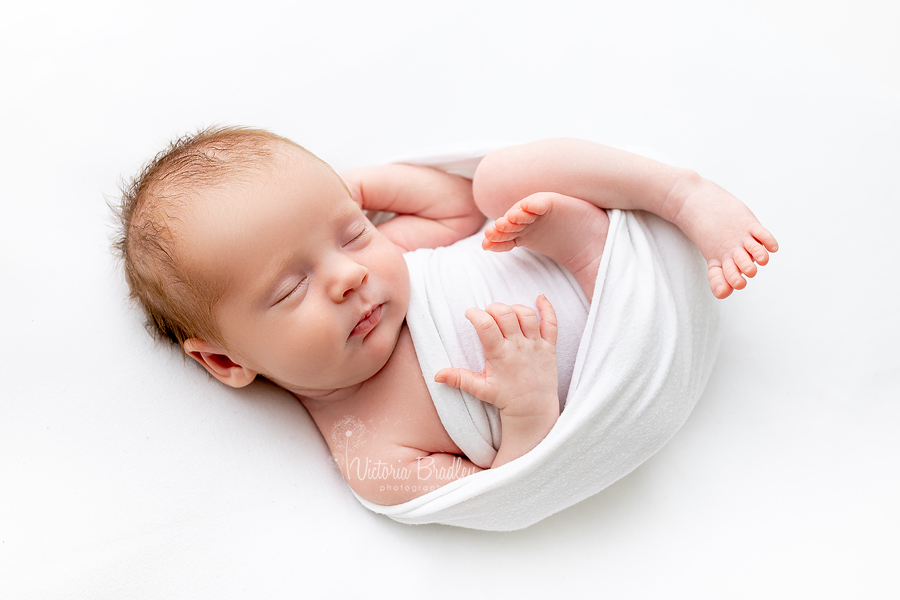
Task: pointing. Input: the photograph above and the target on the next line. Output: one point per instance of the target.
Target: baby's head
(249, 252)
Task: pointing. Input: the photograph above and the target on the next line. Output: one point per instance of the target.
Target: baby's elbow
(494, 180)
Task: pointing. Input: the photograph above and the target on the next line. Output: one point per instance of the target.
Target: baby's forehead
(292, 187)
(263, 233)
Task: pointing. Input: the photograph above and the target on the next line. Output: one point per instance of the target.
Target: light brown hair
(179, 303)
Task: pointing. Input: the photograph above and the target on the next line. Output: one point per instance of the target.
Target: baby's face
(315, 295)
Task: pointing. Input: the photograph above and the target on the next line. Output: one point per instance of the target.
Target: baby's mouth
(368, 322)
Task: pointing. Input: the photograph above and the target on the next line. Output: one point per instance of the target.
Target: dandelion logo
(347, 434)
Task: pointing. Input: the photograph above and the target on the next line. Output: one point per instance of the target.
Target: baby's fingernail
(719, 289)
(775, 248)
(440, 378)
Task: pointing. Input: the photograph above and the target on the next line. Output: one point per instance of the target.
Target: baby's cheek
(302, 349)
(401, 280)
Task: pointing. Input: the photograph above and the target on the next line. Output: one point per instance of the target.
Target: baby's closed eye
(300, 285)
(364, 231)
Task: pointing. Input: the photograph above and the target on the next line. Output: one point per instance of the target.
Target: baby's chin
(326, 391)
(378, 354)
(340, 388)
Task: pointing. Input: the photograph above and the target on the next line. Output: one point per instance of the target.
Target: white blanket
(648, 346)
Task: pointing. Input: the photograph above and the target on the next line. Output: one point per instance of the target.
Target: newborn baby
(255, 257)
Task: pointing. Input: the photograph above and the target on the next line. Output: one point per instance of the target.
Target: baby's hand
(519, 375)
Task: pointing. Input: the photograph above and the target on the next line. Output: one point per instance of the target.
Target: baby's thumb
(463, 379)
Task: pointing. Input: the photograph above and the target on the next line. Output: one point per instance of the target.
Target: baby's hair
(179, 303)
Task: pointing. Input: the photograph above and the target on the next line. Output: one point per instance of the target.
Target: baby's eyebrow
(350, 214)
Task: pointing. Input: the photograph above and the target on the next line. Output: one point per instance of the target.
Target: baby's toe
(493, 234)
(717, 283)
(504, 225)
(732, 275)
(762, 234)
(537, 204)
(756, 250)
(499, 236)
(744, 262)
(492, 246)
(501, 231)
(519, 216)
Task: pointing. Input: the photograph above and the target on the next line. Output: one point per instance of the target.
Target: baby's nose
(350, 277)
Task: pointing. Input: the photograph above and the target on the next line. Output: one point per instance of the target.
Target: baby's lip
(367, 322)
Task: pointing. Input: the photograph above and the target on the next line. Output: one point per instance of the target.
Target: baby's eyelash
(305, 280)
(361, 233)
(296, 287)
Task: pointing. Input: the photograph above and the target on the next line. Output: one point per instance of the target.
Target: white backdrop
(126, 473)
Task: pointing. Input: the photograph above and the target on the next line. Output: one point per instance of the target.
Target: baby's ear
(215, 359)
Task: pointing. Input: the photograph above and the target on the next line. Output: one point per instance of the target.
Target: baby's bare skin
(398, 448)
(569, 230)
(315, 301)
(727, 233)
(331, 291)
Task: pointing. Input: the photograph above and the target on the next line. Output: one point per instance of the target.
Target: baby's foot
(728, 235)
(570, 231)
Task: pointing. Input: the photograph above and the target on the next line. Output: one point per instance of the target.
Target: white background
(126, 473)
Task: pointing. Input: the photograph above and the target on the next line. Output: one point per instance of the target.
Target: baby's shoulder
(390, 416)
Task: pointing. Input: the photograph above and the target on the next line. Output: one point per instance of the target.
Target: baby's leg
(728, 235)
(570, 231)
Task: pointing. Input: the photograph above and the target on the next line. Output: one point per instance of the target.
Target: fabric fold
(632, 364)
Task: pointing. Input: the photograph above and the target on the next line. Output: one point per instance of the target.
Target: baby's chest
(402, 409)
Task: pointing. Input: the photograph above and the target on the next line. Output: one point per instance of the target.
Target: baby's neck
(316, 397)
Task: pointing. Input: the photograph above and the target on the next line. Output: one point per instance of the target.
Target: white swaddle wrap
(463, 275)
(645, 350)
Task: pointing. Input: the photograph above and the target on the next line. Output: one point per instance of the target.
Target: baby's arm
(727, 233)
(433, 208)
(519, 376)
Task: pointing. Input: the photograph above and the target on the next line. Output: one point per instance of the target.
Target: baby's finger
(465, 380)
(351, 178)
(549, 323)
(528, 321)
(506, 319)
(487, 330)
